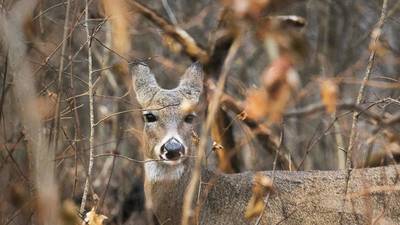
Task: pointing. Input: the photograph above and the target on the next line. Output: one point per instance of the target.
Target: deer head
(168, 124)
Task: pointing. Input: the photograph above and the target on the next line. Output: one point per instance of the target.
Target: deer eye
(149, 117)
(189, 118)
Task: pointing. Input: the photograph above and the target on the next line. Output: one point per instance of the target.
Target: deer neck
(165, 186)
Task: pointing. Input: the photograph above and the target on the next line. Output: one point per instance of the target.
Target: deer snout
(172, 149)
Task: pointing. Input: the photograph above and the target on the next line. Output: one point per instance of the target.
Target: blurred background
(294, 71)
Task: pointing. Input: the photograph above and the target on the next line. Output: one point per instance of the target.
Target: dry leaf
(217, 147)
(92, 218)
(329, 94)
(170, 43)
(262, 185)
(284, 32)
(280, 80)
(195, 138)
(218, 130)
(255, 103)
(242, 116)
(251, 8)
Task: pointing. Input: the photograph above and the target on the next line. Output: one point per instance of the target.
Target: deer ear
(191, 84)
(144, 83)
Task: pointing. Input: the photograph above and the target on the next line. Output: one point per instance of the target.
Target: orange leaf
(280, 80)
(329, 94)
(262, 185)
(92, 218)
(255, 104)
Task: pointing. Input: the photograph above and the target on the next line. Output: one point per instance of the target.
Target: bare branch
(191, 47)
(91, 111)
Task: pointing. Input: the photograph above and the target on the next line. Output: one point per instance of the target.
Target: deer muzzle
(172, 149)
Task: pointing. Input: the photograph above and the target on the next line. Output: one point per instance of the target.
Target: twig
(190, 46)
(50, 56)
(272, 177)
(126, 157)
(262, 133)
(214, 106)
(169, 12)
(130, 110)
(319, 107)
(11, 150)
(91, 111)
(314, 140)
(110, 49)
(50, 8)
(9, 154)
(376, 33)
(57, 117)
(4, 87)
(115, 114)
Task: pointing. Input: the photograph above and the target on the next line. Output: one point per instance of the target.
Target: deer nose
(172, 149)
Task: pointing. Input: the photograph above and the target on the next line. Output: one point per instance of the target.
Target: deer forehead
(167, 100)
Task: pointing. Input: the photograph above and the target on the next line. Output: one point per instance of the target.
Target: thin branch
(272, 177)
(168, 9)
(126, 157)
(91, 111)
(262, 133)
(376, 33)
(190, 46)
(50, 8)
(115, 114)
(4, 87)
(50, 56)
(320, 107)
(57, 117)
(131, 110)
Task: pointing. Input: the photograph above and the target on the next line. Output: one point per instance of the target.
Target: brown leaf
(218, 130)
(280, 80)
(284, 32)
(250, 8)
(195, 138)
(329, 94)
(92, 218)
(256, 103)
(171, 43)
(262, 185)
(217, 147)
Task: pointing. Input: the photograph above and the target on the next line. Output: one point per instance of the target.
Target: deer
(169, 151)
